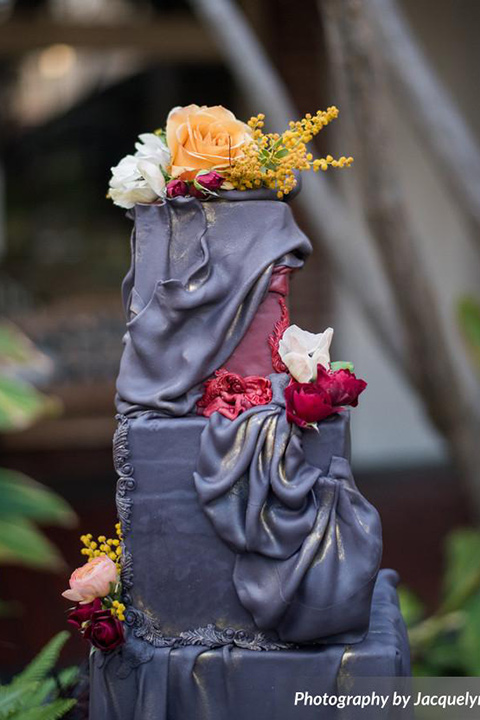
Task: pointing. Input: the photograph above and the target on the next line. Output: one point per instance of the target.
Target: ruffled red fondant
(231, 394)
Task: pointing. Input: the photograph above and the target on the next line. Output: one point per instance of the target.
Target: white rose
(302, 351)
(139, 178)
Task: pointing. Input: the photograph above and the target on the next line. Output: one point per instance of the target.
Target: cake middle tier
(179, 572)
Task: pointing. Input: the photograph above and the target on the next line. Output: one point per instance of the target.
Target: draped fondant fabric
(199, 273)
(196, 683)
(308, 544)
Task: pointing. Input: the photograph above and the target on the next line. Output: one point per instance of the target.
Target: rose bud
(210, 180)
(177, 188)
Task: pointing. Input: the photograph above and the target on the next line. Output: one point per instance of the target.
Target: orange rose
(204, 138)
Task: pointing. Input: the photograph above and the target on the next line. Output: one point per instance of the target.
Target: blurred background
(395, 268)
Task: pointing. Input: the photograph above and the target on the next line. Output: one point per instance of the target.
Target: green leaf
(53, 711)
(50, 688)
(21, 404)
(468, 313)
(20, 541)
(462, 572)
(40, 666)
(21, 496)
(469, 642)
(412, 608)
(12, 697)
(342, 365)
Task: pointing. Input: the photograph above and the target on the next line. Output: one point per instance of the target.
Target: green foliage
(33, 695)
(342, 365)
(21, 403)
(468, 312)
(23, 502)
(448, 641)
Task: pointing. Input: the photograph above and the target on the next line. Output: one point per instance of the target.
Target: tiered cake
(250, 556)
(249, 559)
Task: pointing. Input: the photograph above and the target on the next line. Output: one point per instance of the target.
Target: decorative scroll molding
(125, 485)
(274, 339)
(144, 628)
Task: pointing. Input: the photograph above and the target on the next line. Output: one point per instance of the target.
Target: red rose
(177, 188)
(83, 613)
(342, 386)
(105, 631)
(308, 403)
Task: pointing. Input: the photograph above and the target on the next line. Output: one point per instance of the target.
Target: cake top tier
(204, 151)
(199, 274)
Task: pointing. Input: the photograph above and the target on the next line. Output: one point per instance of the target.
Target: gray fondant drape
(195, 683)
(199, 273)
(308, 543)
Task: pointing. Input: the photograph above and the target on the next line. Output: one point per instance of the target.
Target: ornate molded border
(210, 636)
(142, 626)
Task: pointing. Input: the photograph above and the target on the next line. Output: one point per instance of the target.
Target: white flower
(302, 351)
(140, 178)
(151, 147)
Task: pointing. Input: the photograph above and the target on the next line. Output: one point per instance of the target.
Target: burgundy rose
(194, 192)
(83, 613)
(342, 385)
(210, 180)
(309, 403)
(176, 188)
(205, 184)
(105, 631)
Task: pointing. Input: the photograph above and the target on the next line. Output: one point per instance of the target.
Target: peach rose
(92, 580)
(203, 138)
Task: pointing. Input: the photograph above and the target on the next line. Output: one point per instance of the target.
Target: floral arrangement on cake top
(204, 149)
(96, 590)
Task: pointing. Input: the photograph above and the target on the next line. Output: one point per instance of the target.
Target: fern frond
(45, 660)
(68, 677)
(53, 711)
(13, 697)
(50, 688)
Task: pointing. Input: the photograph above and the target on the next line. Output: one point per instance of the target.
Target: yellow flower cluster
(271, 159)
(111, 547)
(118, 610)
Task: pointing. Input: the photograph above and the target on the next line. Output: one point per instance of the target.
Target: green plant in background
(24, 503)
(468, 312)
(36, 693)
(447, 642)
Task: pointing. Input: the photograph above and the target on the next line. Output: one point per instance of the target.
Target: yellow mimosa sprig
(271, 159)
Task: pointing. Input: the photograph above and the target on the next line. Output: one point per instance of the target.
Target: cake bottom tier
(230, 683)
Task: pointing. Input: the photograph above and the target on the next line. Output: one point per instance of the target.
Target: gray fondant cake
(249, 553)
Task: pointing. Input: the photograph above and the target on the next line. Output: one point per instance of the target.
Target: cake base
(230, 683)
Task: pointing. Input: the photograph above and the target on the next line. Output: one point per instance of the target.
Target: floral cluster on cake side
(205, 149)
(317, 389)
(96, 590)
